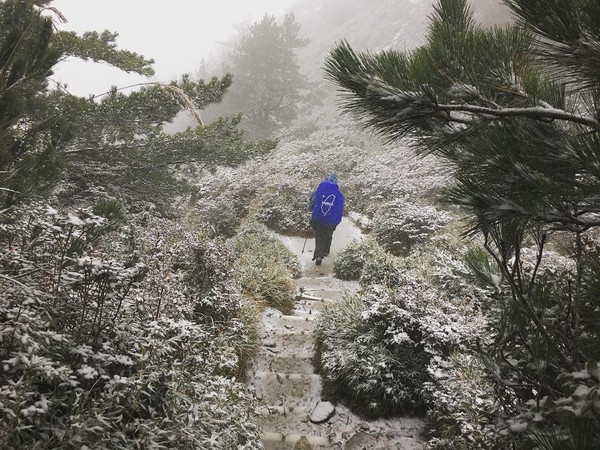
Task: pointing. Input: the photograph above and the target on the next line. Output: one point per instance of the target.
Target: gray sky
(177, 34)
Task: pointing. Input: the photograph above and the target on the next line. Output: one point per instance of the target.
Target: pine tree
(121, 146)
(516, 112)
(28, 158)
(267, 86)
(34, 130)
(113, 141)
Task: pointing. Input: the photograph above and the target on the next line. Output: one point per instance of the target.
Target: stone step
(290, 362)
(331, 294)
(274, 410)
(305, 310)
(311, 307)
(290, 323)
(286, 421)
(301, 341)
(329, 283)
(319, 295)
(304, 295)
(289, 389)
(279, 441)
(315, 281)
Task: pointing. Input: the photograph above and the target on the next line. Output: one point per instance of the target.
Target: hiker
(327, 206)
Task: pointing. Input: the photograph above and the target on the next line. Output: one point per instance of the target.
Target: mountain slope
(372, 25)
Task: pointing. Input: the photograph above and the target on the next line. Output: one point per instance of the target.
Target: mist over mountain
(367, 26)
(372, 25)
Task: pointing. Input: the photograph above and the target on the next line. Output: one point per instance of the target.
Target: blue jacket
(327, 203)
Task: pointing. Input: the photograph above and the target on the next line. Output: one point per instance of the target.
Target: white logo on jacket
(327, 204)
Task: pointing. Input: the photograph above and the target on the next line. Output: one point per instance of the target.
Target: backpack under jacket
(329, 204)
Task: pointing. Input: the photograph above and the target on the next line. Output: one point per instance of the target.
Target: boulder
(322, 412)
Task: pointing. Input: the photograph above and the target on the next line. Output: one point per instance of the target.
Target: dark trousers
(323, 235)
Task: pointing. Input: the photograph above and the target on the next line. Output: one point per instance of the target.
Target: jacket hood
(331, 178)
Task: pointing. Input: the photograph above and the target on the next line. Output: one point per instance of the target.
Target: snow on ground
(345, 430)
(344, 234)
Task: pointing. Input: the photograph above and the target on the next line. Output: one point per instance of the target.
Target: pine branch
(101, 47)
(536, 112)
(526, 304)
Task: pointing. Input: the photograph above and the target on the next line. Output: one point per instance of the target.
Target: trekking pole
(304, 246)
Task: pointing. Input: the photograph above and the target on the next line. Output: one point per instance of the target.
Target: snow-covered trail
(284, 380)
(344, 234)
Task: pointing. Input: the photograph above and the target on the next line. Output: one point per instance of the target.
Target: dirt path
(284, 379)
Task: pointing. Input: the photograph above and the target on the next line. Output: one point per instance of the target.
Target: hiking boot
(318, 261)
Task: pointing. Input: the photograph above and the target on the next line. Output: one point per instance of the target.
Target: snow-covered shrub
(94, 356)
(350, 261)
(252, 236)
(401, 224)
(210, 281)
(229, 196)
(275, 189)
(376, 349)
(283, 205)
(221, 217)
(452, 271)
(111, 209)
(393, 172)
(125, 394)
(463, 409)
(224, 201)
(165, 247)
(265, 267)
(382, 269)
(524, 415)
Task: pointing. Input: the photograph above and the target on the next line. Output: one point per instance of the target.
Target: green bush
(223, 220)
(111, 209)
(374, 350)
(283, 207)
(210, 280)
(401, 225)
(223, 204)
(100, 353)
(376, 377)
(462, 405)
(350, 262)
(266, 282)
(264, 267)
(382, 269)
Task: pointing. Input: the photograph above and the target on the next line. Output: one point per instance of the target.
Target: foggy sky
(177, 34)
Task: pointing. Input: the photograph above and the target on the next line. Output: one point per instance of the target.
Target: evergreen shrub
(374, 350)
(382, 269)
(283, 206)
(98, 352)
(265, 267)
(225, 200)
(209, 278)
(462, 405)
(350, 262)
(568, 421)
(223, 219)
(400, 225)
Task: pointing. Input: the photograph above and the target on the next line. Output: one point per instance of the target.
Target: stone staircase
(288, 389)
(284, 380)
(283, 377)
